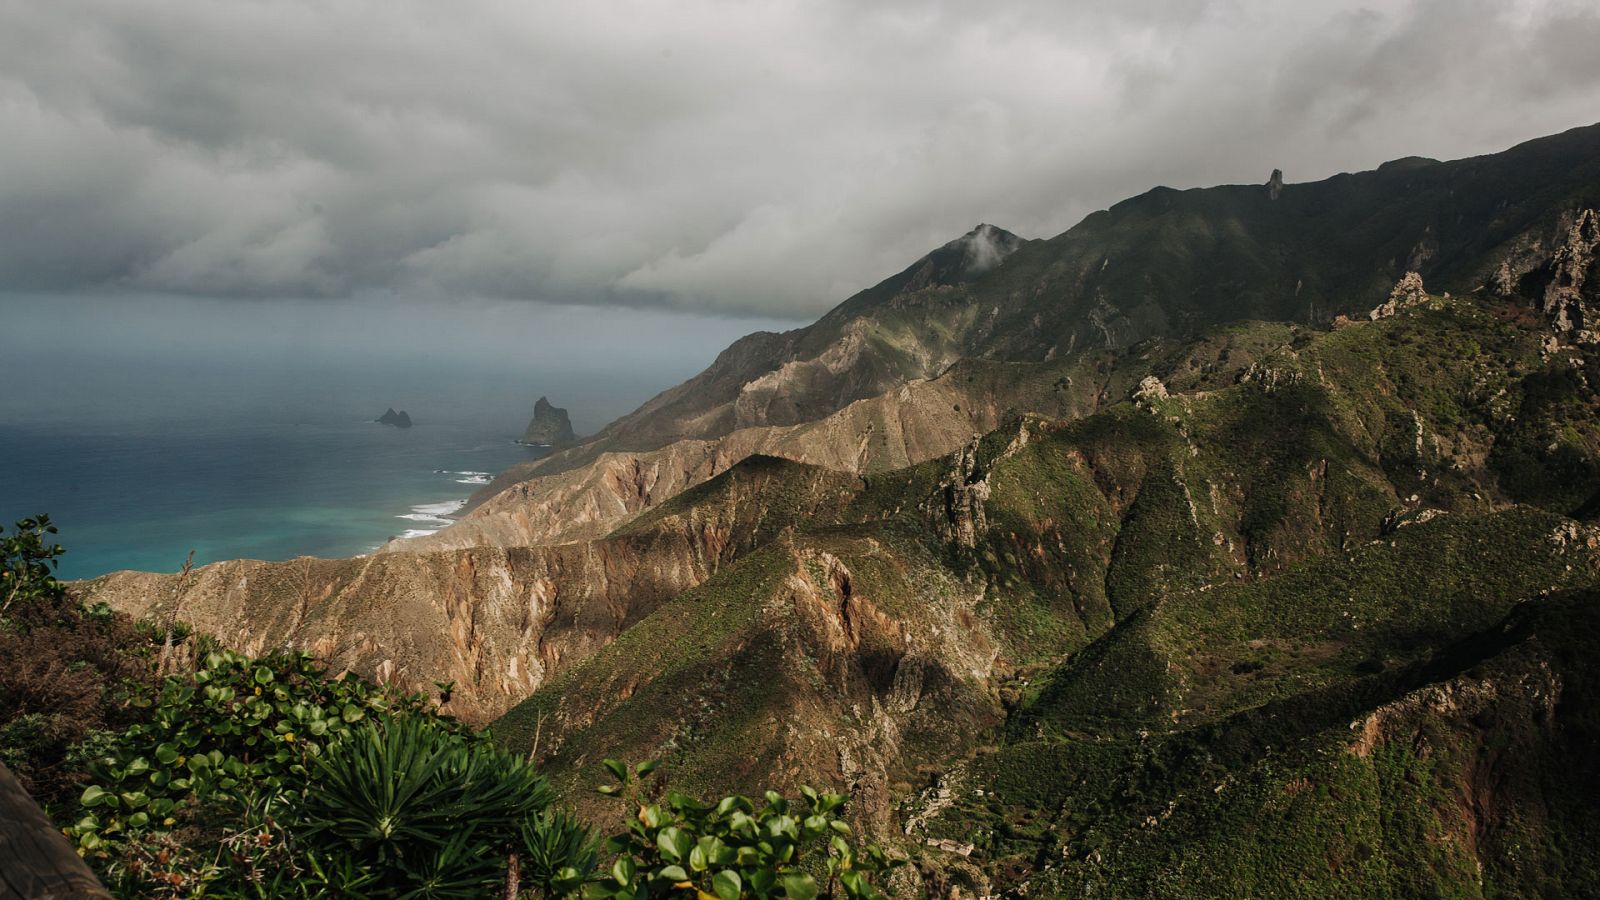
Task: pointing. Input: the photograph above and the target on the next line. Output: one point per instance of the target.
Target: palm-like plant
(559, 853)
(427, 810)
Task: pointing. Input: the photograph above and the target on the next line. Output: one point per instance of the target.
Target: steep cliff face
(497, 621)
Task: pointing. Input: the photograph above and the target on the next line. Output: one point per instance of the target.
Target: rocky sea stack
(399, 419)
(550, 426)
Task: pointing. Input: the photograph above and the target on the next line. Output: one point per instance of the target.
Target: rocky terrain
(1235, 539)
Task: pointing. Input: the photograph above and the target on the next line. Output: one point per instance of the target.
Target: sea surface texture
(137, 466)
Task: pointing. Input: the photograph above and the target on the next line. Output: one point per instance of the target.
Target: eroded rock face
(965, 490)
(496, 621)
(1572, 298)
(919, 421)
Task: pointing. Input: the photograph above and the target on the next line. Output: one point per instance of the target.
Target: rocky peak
(964, 258)
(1275, 184)
(1408, 292)
(399, 419)
(550, 426)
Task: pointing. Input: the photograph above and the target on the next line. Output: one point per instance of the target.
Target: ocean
(320, 484)
(146, 428)
(137, 464)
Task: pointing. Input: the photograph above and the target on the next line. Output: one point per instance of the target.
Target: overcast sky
(740, 158)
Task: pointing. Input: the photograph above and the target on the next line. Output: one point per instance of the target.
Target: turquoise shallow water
(140, 498)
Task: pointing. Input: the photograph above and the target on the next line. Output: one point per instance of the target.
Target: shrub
(67, 671)
(234, 735)
(557, 854)
(735, 848)
(427, 810)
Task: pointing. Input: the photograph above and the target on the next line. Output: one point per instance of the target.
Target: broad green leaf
(799, 886)
(727, 884)
(617, 770)
(94, 795)
(674, 844)
(622, 870)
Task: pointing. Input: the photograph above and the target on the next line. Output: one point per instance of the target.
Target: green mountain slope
(1035, 662)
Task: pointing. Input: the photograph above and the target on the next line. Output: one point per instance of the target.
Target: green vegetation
(262, 777)
(731, 849)
(1312, 613)
(1168, 616)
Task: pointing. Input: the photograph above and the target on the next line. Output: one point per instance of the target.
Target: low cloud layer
(748, 158)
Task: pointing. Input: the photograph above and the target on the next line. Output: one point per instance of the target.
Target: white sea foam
(433, 512)
(472, 479)
(417, 532)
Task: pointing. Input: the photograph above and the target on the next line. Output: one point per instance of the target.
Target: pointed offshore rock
(398, 419)
(550, 426)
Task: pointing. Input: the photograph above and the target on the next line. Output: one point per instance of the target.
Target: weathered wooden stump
(36, 859)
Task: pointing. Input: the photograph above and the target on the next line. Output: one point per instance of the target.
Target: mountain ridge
(1124, 544)
(1060, 294)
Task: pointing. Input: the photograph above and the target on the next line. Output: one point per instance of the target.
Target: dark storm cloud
(739, 157)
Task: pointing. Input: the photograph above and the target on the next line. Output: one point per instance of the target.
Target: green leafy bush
(734, 848)
(28, 563)
(236, 731)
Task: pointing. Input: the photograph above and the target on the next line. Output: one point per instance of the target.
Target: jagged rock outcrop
(1275, 184)
(1408, 292)
(964, 490)
(400, 419)
(549, 427)
(1572, 298)
(1151, 390)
